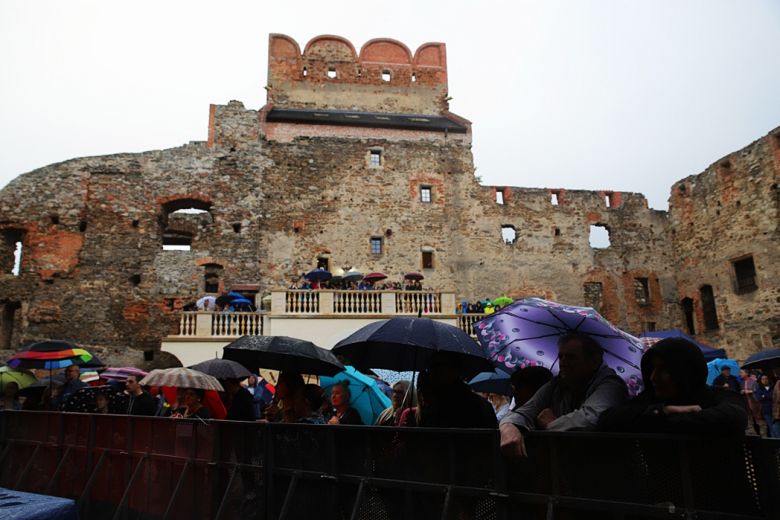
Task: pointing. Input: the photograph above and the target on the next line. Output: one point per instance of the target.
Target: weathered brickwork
(727, 214)
(279, 196)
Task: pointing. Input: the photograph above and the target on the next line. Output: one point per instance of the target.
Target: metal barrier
(155, 468)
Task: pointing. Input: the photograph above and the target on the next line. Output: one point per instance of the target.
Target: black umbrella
(284, 354)
(83, 401)
(222, 369)
(41, 385)
(226, 300)
(403, 344)
(764, 359)
(95, 362)
(319, 275)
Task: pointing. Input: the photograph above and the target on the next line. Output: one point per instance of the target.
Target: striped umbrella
(182, 378)
(19, 376)
(50, 355)
(120, 374)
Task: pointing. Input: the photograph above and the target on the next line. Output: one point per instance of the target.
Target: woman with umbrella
(402, 398)
(344, 413)
(193, 408)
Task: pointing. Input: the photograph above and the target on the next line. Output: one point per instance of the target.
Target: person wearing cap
(677, 399)
(725, 379)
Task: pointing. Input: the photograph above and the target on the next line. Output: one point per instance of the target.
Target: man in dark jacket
(239, 406)
(140, 402)
(454, 405)
(725, 379)
(677, 398)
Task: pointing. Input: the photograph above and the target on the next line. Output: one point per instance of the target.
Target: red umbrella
(374, 277)
(414, 276)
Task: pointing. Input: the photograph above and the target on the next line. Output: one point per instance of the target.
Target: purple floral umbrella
(526, 333)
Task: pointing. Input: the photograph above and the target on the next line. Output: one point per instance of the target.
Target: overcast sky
(617, 95)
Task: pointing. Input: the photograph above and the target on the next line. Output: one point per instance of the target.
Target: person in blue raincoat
(256, 387)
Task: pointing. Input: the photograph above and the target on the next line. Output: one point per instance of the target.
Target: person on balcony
(343, 413)
(572, 401)
(286, 387)
(677, 399)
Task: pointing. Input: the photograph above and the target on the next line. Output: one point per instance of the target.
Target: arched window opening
(508, 234)
(11, 251)
(212, 273)
(708, 307)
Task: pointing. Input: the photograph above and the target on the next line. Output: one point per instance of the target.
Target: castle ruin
(356, 161)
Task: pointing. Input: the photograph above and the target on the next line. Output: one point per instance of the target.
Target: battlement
(330, 75)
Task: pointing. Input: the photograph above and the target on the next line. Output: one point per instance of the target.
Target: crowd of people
(586, 395)
(361, 285)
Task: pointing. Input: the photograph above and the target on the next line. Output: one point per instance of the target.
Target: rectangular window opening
(414, 78)
(708, 307)
(557, 232)
(554, 199)
(83, 226)
(425, 193)
(305, 72)
(376, 246)
(376, 158)
(236, 227)
(427, 260)
(177, 242)
(499, 196)
(642, 291)
(508, 234)
(332, 73)
(385, 76)
(17, 259)
(135, 223)
(745, 276)
(687, 308)
(599, 236)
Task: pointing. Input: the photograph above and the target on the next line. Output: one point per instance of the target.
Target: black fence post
(176, 491)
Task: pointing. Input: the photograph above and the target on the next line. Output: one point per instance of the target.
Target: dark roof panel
(369, 119)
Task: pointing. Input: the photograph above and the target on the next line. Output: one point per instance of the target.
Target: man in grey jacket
(572, 401)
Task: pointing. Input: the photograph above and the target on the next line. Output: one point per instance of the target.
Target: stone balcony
(322, 316)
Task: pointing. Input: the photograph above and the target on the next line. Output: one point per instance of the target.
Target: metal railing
(156, 468)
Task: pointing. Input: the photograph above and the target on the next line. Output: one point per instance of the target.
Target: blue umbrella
(765, 358)
(235, 295)
(241, 300)
(407, 343)
(318, 275)
(367, 397)
(492, 383)
(716, 365)
(526, 333)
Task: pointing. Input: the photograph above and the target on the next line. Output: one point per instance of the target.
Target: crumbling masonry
(354, 146)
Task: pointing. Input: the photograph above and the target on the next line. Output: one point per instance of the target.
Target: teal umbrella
(367, 398)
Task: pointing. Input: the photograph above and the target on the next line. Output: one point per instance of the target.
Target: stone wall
(725, 215)
(276, 198)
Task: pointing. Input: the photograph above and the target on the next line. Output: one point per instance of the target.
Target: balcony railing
(220, 324)
(465, 322)
(365, 303)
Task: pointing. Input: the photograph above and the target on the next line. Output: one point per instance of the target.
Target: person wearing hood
(572, 401)
(677, 399)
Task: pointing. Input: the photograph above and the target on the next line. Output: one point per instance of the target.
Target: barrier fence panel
(159, 468)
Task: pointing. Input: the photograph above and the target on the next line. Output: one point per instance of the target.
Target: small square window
(385, 76)
(332, 73)
(376, 246)
(425, 194)
(427, 260)
(376, 158)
